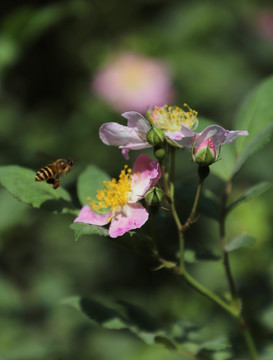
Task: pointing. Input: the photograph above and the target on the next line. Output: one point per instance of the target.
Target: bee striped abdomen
(51, 172)
(44, 174)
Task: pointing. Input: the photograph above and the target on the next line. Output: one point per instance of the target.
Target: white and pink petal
(216, 133)
(136, 120)
(132, 216)
(232, 135)
(87, 216)
(146, 173)
(118, 135)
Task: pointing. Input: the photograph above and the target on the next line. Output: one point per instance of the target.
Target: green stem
(209, 294)
(195, 204)
(236, 301)
(249, 341)
(172, 171)
(198, 287)
(152, 226)
(181, 252)
(165, 183)
(233, 309)
(169, 193)
(225, 255)
(217, 300)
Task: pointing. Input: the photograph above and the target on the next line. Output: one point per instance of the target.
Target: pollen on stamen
(115, 193)
(170, 118)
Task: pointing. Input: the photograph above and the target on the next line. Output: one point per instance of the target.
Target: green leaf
(90, 180)
(218, 344)
(162, 340)
(124, 315)
(256, 113)
(105, 316)
(256, 144)
(81, 229)
(121, 315)
(20, 183)
(139, 317)
(135, 241)
(243, 241)
(251, 194)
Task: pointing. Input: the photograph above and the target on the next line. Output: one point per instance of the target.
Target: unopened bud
(159, 153)
(155, 136)
(205, 154)
(153, 196)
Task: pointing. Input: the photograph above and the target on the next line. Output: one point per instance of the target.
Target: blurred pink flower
(132, 81)
(265, 24)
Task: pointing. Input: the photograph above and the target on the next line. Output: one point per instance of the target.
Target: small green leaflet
(243, 241)
(251, 194)
(81, 229)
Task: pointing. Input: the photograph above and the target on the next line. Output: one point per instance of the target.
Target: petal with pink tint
(188, 136)
(175, 135)
(219, 135)
(133, 216)
(136, 120)
(231, 135)
(216, 133)
(87, 216)
(118, 135)
(146, 173)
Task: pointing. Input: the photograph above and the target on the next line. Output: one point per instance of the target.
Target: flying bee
(52, 172)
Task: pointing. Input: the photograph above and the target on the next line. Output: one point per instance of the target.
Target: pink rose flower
(122, 198)
(206, 144)
(133, 81)
(134, 136)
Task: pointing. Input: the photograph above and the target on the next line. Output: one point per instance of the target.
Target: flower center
(115, 193)
(171, 118)
(132, 76)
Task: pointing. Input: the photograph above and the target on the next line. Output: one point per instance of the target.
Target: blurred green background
(217, 51)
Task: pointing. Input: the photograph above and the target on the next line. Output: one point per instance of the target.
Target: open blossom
(120, 198)
(206, 144)
(133, 81)
(134, 136)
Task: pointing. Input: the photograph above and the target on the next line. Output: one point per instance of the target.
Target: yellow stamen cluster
(171, 118)
(115, 194)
